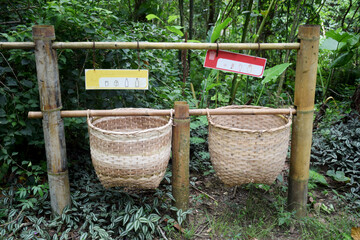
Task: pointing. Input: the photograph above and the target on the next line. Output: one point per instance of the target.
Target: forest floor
(257, 211)
(252, 211)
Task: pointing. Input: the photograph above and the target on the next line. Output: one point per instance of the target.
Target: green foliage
(316, 178)
(171, 28)
(338, 176)
(22, 157)
(96, 213)
(199, 155)
(93, 21)
(220, 26)
(337, 147)
(273, 73)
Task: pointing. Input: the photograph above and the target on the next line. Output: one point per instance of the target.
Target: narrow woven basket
(248, 148)
(130, 151)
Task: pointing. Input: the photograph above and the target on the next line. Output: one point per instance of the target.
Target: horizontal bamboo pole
(154, 45)
(17, 45)
(166, 112)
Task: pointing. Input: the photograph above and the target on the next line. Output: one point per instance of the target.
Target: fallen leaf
(355, 233)
(317, 207)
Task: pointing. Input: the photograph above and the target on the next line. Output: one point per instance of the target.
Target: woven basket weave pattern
(131, 151)
(248, 148)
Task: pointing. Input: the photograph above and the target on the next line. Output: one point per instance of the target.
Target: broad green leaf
(152, 16)
(2, 113)
(197, 140)
(27, 83)
(211, 86)
(354, 40)
(329, 44)
(218, 28)
(122, 234)
(83, 236)
(175, 29)
(172, 18)
(139, 213)
(144, 220)
(154, 218)
(274, 72)
(338, 176)
(342, 59)
(340, 37)
(317, 177)
(136, 225)
(194, 41)
(126, 218)
(129, 226)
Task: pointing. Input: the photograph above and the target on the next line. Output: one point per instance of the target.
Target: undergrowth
(96, 213)
(336, 147)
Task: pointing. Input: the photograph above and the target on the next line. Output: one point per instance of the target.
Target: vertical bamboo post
(50, 104)
(181, 155)
(305, 82)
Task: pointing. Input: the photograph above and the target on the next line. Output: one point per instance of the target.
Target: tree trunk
(356, 99)
(181, 8)
(211, 19)
(289, 39)
(191, 19)
(138, 15)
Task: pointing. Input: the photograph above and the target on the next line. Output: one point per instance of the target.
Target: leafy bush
(91, 22)
(200, 157)
(338, 148)
(96, 213)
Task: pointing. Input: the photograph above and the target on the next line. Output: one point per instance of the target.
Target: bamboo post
(50, 104)
(181, 155)
(305, 82)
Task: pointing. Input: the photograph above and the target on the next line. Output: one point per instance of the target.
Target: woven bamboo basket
(130, 151)
(248, 148)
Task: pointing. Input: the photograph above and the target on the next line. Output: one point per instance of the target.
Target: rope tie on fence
(51, 110)
(258, 50)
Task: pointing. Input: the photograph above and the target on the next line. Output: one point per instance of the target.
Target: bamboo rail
(166, 112)
(155, 45)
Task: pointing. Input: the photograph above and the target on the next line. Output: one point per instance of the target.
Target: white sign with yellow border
(116, 79)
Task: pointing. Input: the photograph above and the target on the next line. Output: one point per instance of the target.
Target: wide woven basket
(130, 151)
(248, 148)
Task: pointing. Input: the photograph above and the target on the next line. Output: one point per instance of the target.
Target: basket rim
(287, 125)
(89, 122)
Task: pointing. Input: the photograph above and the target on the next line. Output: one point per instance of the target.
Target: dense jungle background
(253, 211)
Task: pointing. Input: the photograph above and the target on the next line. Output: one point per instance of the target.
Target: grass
(257, 214)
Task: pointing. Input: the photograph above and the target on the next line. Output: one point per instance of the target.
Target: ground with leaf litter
(252, 211)
(257, 211)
